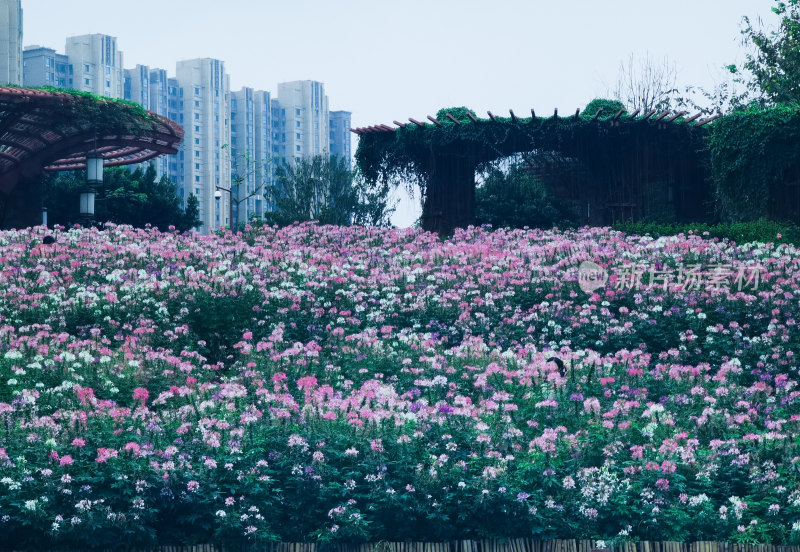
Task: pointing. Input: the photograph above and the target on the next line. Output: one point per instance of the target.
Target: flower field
(324, 383)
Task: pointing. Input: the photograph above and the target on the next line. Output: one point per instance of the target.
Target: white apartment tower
(307, 118)
(251, 151)
(10, 42)
(205, 167)
(97, 64)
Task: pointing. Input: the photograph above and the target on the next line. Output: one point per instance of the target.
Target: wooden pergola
(47, 130)
(460, 145)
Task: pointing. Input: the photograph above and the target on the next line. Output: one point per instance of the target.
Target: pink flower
(78, 442)
(65, 460)
(376, 445)
(85, 394)
(309, 382)
(141, 394)
(103, 454)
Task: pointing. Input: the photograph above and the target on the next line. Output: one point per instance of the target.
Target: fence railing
(484, 545)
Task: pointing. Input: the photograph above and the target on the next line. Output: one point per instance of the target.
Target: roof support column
(450, 197)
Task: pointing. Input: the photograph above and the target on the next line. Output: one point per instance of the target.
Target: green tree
(191, 214)
(324, 189)
(126, 197)
(512, 197)
(772, 67)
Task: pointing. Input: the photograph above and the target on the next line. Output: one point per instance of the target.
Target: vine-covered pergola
(50, 130)
(625, 155)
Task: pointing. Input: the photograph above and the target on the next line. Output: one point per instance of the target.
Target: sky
(394, 59)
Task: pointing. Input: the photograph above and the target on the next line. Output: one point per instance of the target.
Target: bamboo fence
(486, 545)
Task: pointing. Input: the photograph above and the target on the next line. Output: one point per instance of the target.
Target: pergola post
(450, 197)
(94, 180)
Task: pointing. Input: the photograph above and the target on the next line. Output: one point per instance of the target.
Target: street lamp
(218, 195)
(94, 179)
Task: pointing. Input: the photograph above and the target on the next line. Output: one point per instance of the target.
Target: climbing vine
(748, 161)
(409, 154)
(755, 160)
(104, 116)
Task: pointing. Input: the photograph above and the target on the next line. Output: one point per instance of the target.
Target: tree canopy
(773, 64)
(324, 189)
(134, 197)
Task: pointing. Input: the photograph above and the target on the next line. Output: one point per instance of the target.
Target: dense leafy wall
(755, 157)
(749, 160)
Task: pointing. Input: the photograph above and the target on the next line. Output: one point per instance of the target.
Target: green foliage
(764, 231)
(610, 107)
(136, 198)
(406, 155)
(774, 62)
(752, 154)
(191, 213)
(324, 189)
(515, 199)
(458, 113)
(106, 116)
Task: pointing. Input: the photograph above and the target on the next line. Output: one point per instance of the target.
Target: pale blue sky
(386, 60)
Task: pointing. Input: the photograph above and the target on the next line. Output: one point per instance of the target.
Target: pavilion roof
(56, 130)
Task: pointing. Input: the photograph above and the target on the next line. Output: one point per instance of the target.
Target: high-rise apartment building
(136, 85)
(340, 135)
(278, 129)
(96, 64)
(251, 151)
(233, 142)
(45, 67)
(306, 117)
(149, 88)
(10, 42)
(205, 167)
(175, 163)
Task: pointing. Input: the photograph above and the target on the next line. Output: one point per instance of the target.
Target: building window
(196, 91)
(108, 84)
(196, 153)
(85, 67)
(108, 70)
(86, 82)
(298, 148)
(196, 116)
(196, 128)
(297, 135)
(197, 166)
(196, 103)
(297, 124)
(197, 140)
(297, 112)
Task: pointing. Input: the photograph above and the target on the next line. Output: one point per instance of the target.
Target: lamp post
(218, 195)
(94, 179)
